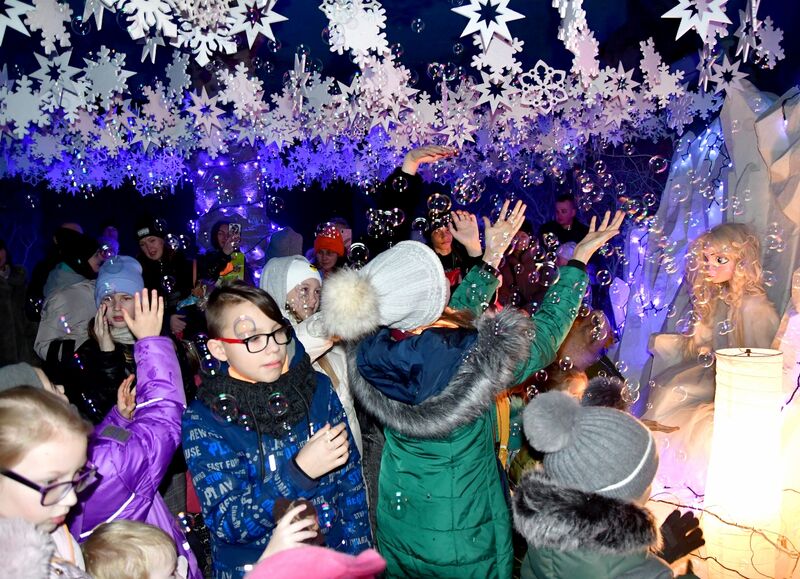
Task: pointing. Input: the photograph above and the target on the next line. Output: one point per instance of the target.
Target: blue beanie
(122, 274)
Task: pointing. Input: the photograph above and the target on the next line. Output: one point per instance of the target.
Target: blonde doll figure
(729, 309)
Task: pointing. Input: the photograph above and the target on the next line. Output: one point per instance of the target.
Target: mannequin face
(719, 266)
(303, 299)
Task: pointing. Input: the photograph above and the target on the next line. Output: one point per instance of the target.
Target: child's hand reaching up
(126, 397)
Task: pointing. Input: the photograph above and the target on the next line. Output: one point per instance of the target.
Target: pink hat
(319, 563)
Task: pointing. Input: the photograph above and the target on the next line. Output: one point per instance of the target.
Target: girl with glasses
(268, 427)
(43, 466)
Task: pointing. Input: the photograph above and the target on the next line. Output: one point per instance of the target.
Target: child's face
(57, 460)
(241, 321)
(304, 298)
(115, 303)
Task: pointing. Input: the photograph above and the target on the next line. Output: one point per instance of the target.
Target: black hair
(237, 292)
(213, 234)
(561, 198)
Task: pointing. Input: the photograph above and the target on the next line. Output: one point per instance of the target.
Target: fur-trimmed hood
(550, 516)
(502, 345)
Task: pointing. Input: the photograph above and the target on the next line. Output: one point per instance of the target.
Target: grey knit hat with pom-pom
(590, 448)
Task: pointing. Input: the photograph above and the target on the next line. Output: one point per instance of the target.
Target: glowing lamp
(744, 482)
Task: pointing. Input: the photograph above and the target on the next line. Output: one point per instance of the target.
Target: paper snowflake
(706, 17)
(49, 16)
(357, 26)
(242, 91)
(254, 17)
(746, 33)
(205, 111)
(496, 90)
(151, 44)
(705, 66)
(618, 83)
(706, 104)
(207, 31)
(179, 79)
(727, 75)
(667, 85)
(650, 62)
(680, 112)
(769, 43)
(153, 17)
(106, 76)
(459, 129)
(488, 17)
(158, 107)
(585, 63)
(47, 147)
(499, 56)
(10, 17)
(96, 8)
(55, 75)
(543, 87)
(22, 106)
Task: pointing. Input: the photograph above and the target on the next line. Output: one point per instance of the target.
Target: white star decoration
(706, 17)
(496, 90)
(488, 17)
(10, 17)
(254, 17)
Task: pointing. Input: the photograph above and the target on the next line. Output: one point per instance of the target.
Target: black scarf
(297, 386)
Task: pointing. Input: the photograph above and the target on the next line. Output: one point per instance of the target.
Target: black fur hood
(550, 516)
(502, 345)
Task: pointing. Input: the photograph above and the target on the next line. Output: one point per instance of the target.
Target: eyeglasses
(54, 493)
(259, 342)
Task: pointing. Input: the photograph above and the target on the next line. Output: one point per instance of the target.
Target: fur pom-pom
(604, 391)
(549, 420)
(25, 552)
(349, 305)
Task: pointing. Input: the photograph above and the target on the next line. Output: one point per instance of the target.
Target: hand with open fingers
(148, 313)
(324, 452)
(425, 154)
(500, 234)
(126, 397)
(464, 227)
(289, 533)
(101, 330)
(682, 535)
(598, 236)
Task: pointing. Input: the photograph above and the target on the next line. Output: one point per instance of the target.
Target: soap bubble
(706, 359)
(358, 255)
(550, 240)
(658, 164)
(540, 376)
(439, 203)
(565, 364)
(419, 224)
(628, 149)
(604, 277)
(458, 48)
(600, 166)
(622, 366)
(724, 327)
(399, 183)
(628, 395)
(80, 26)
(277, 404)
(680, 394)
(546, 274)
(418, 25)
(275, 205)
(244, 327)
(225, 409)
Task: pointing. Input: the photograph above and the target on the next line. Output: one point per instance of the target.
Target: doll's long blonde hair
(738, 243)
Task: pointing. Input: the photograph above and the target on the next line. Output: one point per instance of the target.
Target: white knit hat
(402, 288)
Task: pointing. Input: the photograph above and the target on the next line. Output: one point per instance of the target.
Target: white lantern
(745, 474)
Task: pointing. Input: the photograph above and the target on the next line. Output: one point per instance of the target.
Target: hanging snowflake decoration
(769, 43)
(254, 17)
(206, 112)
(496, 90)
(727, 75)
(55, 75)
(585, 64)
(151, 44)
(487, 18)
(618, 84)
(10, 17)
(151, 17)
(706, 17)
(106, 77)
(543, 87)
(22, 106)
(96, 8)
(49, 16)
(179, 79)
(705, 66)
(747, 32)
(499, 56)
(357, 26)
(205, 28)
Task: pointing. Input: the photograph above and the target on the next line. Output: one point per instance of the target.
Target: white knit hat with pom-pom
(402, 288)
(593, 449)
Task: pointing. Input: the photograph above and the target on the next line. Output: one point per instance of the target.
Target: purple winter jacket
(132, 456)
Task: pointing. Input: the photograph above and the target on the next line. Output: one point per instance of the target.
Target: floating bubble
(418, 25)
(108, 251)
(80, 26)
(545, 274)
(600, 167)
(168, 284)
(628, 149)
(565, 364)
(277, 404)
(540, 376)
(246, 421)
(244, 327)
(680, 393)
(397, 50)
(358, 255)
(550, 240)
(394, 217)
(724, 327)
(458, 48)
(399, 501)
(622, 366)
(604, 277)
(649, 199)
(658, 164)
(629, 396)
(768, 278)
(706, 359)
(399, 183)
(439, 203)
(419, 224)
(173, 242)
(225, 409)
(620, 188)
(274, 45)
(275, 205)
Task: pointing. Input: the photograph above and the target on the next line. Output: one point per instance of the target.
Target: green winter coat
(578, 535)
(441, 508)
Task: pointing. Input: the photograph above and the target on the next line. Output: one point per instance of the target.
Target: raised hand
(324, 452)
(500, 234)
(289, 533)
(596, 238)
(126, 397)
(427, 154)
(148, 314)
(464, 227)
(101, 331)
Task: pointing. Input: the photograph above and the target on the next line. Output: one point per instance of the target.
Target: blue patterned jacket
(224, 462)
